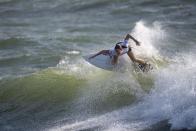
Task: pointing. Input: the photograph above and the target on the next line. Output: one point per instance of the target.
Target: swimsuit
(124, 44)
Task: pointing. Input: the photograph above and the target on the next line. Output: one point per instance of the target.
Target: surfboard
(105, 62)
(101, 61)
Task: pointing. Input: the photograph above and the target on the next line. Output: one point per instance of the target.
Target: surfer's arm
(104, 52)
(128, 36)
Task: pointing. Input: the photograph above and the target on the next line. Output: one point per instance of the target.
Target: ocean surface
(46, 85)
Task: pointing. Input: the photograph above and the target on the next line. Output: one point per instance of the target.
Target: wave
(52, 93)
(169, 104)
(75, 95)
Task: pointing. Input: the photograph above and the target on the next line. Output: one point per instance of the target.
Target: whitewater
(171, 99)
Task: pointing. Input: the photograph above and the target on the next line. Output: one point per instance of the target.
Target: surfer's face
(119, 51)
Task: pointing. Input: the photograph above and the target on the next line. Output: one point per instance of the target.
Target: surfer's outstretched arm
(104, 52)
(128, 36)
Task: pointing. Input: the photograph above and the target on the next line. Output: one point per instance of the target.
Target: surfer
(121, 48)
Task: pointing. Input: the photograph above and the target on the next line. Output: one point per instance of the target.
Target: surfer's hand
(137, 43)
(91, 57)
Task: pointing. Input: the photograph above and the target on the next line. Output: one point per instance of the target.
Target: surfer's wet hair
(121, 44)
(118, 46)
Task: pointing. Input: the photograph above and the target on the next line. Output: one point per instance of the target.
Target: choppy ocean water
(45, 84)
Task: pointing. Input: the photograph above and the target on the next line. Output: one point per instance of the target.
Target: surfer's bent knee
(129, 50)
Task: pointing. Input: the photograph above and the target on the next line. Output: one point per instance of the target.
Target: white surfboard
(105, 62)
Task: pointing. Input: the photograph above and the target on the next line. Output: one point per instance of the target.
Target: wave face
(45, 84)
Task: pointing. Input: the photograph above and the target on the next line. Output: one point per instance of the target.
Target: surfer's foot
(141, 66)
(145, 67)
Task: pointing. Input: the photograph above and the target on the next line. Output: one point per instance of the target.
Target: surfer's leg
(132, 57)
(114, 60)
